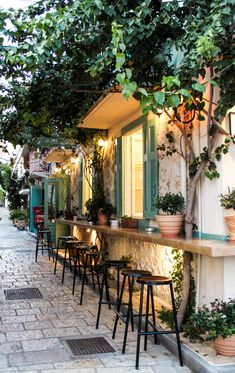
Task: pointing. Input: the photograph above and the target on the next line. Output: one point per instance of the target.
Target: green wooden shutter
(150, 169)
(118, 176)
(80, 196)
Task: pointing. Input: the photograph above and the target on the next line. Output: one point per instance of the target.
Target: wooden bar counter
(213, 264)
(212, 248)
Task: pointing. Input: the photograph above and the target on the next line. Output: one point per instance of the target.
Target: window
(133, 173)
(137, 170)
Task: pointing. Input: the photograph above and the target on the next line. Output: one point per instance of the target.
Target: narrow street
(33, 333)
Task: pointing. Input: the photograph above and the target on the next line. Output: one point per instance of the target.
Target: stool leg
(139, 327)
(119, 307)
(147, 319)
(153, 313)
(83, 280)
(37, 246)
(131, 287)
(76, 259)
(129, 313)
(64, 263)
(56, 259)
(107, 289)
(100, 300)
(56, 255)
(97, 273)
(48, 245)
(176, 325)
(92, 273)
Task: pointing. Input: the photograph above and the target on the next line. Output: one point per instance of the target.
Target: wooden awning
(110, 111)
(57, 155)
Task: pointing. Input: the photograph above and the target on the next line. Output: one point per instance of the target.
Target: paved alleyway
(33, 332)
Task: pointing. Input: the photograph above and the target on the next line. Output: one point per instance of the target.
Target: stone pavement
(33, 332)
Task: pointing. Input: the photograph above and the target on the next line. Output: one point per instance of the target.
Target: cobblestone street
(33, 333)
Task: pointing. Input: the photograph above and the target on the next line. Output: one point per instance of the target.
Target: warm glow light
(101, 142)
(74, 160)
(57, 169)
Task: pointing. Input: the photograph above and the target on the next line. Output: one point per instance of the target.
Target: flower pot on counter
(230, 223)
(170, 225)
(225, 346)
(129, 223)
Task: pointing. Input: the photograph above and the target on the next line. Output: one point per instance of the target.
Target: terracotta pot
(230, 222)
(170, 225)
(103, 219)
(225, 346)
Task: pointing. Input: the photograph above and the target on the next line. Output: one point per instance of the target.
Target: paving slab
(33, 332)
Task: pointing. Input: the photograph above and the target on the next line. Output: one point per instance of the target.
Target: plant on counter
(96, 206)
(172, 205)
(227, 201)
(129, 222)
(216, 323)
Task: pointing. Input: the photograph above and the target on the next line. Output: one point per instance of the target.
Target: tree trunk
(189, 218)
(186, 287)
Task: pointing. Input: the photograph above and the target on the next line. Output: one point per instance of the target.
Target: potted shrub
(98, 210)
(228, 202)
(129, 222)
(172, 206)
(216, 324)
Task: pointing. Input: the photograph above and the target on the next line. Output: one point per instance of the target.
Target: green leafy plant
(166, 315)
(19, 214)
(97, 203)
(228, 200)
(208, 324)
(170, 203)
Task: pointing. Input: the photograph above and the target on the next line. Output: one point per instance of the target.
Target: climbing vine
(165, 314)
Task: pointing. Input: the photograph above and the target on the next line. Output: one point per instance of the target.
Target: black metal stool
(132, 275)
(43, 242)
(118, 265)
(76, 251)
(91, 260)
(151, 281)
(61, 242)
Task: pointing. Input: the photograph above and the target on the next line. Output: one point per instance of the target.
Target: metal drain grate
(24, 293)
(89, 346)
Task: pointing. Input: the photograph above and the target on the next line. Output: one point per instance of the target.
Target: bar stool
(151, 281)
(132, 275)
(61, 242)
(118, 265)
(76, 252)
(91, 260)
(43, 242)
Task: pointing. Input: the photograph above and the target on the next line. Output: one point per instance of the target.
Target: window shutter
(150, 166)
(118, 176)
(80, 196)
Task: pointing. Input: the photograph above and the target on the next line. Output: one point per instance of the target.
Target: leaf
(184, 92)
(120, 60)
(128, 73)
(143, 91)
(159, 97)
(133, 86)
(213, 82)
(174, 100)
(199, 87)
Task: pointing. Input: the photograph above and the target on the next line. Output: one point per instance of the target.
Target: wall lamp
(101, 143)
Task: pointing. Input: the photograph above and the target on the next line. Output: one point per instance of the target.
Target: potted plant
(216, 324)
(114, 221)
(98, 210)
(129, 222)
(228, 202)
(170, 222)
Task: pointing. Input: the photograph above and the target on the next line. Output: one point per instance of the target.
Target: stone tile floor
(33, 332)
